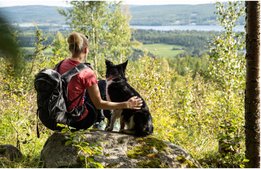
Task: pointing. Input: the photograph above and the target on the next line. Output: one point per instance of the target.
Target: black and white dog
(139, 122)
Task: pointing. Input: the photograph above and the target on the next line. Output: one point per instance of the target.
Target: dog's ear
(108, 63)
(124, 65)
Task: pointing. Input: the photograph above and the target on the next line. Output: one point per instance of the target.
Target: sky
(5, 3)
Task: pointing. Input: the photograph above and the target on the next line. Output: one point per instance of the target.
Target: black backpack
(52, 102)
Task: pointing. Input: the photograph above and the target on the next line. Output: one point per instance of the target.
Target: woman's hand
(94, 93)
(134, 103)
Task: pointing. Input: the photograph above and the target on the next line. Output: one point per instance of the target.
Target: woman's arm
(94, 93)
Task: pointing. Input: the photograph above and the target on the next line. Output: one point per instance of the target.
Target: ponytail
(77, 42)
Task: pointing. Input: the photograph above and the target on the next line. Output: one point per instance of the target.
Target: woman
(87, 80)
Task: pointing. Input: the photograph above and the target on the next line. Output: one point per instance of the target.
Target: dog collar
(110, 78)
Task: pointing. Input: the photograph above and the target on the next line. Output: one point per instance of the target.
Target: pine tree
(252, 98)
(9, 48)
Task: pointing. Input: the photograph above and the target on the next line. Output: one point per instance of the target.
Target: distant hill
(141, 15)
(173, 15)
(38, 14)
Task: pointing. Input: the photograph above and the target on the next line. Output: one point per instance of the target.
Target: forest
(196, 95)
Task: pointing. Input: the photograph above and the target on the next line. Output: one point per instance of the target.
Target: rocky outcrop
(10, 152)
(112, 150)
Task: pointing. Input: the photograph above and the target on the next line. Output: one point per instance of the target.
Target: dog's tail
(145, 132)
(142, 131)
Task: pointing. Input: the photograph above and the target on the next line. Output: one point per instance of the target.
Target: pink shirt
(76, 87)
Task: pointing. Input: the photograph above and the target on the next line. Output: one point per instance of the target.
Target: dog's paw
(108, 129)
(124, 131)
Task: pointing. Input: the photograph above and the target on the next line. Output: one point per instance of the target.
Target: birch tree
(107, 27)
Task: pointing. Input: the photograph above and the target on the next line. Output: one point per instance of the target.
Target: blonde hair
(77, 42)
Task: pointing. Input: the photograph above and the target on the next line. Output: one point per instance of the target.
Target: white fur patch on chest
(108, 83)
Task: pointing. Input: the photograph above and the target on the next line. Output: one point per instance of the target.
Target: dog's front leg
(112, 121)
(115, 114)
(107, 114)
(122, 124)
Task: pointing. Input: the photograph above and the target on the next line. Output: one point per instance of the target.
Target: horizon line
(66, 3)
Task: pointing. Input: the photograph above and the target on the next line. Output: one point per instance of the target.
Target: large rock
(108, 149)
(10, 152)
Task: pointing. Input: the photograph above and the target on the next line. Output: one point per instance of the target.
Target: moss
(153, 142)
(186, 162)
(151, 163)
(148, 150)
(146, 147)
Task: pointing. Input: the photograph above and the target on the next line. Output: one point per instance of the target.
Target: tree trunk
(252, 98)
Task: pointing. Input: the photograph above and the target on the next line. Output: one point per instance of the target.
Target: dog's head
(115, 71)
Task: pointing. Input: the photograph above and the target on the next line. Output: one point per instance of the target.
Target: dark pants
(88, 121)
(95, 115)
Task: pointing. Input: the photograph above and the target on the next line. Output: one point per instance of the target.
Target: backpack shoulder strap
(74, 71)
(67, 76)
(57, 66)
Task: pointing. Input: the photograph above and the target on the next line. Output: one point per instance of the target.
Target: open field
(163, 50)
(30, 50)
(160, 50)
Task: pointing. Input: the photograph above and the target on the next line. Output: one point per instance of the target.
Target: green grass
(163, 50)
(30, 50)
